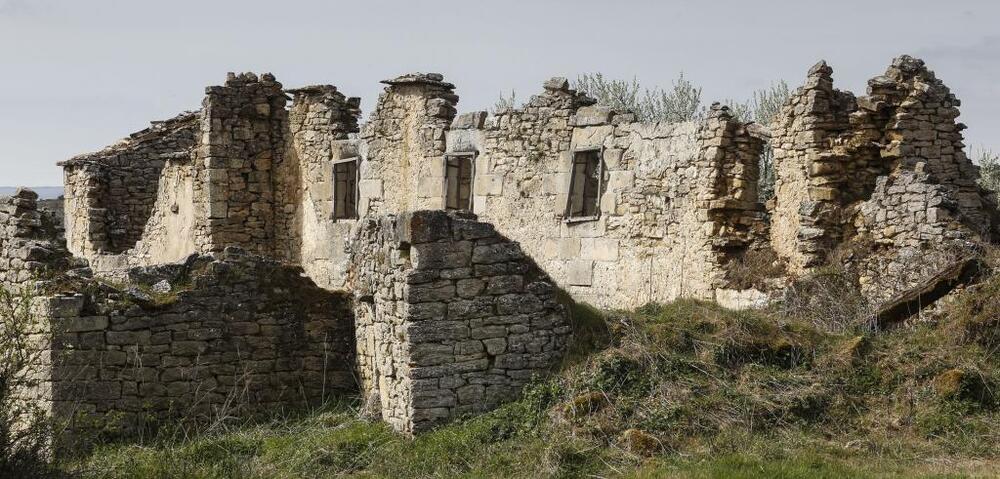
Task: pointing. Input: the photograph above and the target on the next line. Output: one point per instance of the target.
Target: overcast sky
(77, 75)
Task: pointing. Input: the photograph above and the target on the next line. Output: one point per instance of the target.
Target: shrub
(24, 427)
(829, 299)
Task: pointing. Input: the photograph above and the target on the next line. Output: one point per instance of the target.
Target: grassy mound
(686, 389)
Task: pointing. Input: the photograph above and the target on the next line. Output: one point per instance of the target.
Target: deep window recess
(458, 182)
(345, 189)
(585, 185)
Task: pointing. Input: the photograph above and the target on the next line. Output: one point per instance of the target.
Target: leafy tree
(989, 168)
(681, 102)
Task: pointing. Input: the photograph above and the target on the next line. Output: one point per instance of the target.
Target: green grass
(716, 393)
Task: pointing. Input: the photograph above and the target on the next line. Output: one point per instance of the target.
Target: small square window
(458, 182)
(345, 189)
(585, 185)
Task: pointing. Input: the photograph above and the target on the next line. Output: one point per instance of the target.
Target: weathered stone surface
(245, 326)
(31, 242)
(246, 170)
(456, 311)
(866, 170)
(411, 335)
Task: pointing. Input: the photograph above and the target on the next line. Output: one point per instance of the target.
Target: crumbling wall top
(418, 78)
(156, 131)
(31, 243)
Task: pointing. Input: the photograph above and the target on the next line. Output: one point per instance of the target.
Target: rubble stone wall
(239, 332)
(31, 245)
(405, 145)
(110, 195)
(451, 317)
(677, 200)
(888, 169)
(677, 204)
(242, 171)
(244, 125)
(454, 312)
(321, 120)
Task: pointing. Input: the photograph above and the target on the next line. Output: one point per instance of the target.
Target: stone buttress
(452, 318)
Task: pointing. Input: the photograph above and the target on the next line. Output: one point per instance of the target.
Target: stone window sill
(580, 219)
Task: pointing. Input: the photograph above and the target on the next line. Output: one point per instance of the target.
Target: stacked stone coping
(234, 335)
(451, 317)
(887, 169)
(31, 243)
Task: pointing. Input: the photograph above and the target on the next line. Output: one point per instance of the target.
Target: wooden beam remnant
(900, 307)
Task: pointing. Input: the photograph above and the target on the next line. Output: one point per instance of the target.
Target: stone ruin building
(269, 246)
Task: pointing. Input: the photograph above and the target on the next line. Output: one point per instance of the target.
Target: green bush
(24, 426)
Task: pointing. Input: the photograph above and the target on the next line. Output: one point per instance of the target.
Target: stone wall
(887, 169)
(242, 171)
(679, 200)
(454, 312)
(31, 246)
(110, 195)
(237, 335)
(321, 122)
(452, 318)
(405, 145)
(243, 127)
(677, 204)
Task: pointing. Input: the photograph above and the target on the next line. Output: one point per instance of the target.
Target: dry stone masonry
(423, 251)
(452, 318)
(236, 335)
(321, 122)
(888, 168)
(115, 197)
(31, 244)
(676, 201)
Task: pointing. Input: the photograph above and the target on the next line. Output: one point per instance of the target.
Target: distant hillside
(44, 192)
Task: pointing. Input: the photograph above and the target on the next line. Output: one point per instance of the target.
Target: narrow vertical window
(585, 185)
(458, 182)
(345, 189)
